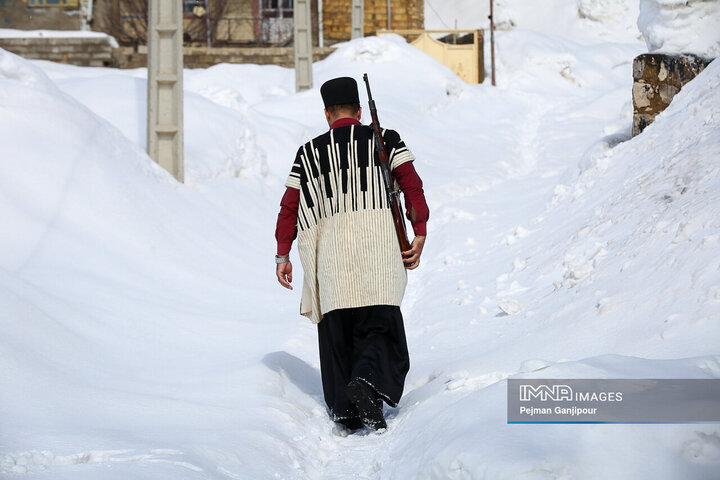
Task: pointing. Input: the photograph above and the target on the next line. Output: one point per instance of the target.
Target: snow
(583, 21)
(14, 33)
(14, 68)
(144, 335)
(681, 26)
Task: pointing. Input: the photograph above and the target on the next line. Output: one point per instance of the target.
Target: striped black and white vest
(346, 238)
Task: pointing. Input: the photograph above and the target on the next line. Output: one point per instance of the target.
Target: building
(241, 31)
(402, 15)
(40, 14)
(255, 22)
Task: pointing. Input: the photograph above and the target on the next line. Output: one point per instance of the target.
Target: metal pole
(207, 23)
(389, 15)
(492, 43)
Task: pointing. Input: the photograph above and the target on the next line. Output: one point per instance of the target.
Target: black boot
(350, 423)
(370, 407)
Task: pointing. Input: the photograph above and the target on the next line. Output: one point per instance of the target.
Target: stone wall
(404, 14)
(96, 52)
(657, 78)
(202, 57)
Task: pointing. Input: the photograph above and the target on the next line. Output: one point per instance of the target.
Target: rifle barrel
(393, 199)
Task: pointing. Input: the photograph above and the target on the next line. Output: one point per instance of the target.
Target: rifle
(382, 156)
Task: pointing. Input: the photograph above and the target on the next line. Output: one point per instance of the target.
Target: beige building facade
(40, 14)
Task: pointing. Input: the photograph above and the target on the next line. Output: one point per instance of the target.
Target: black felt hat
(340, 91)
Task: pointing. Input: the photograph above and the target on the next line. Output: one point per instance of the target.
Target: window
(53, 3)
(275, 22)
(276, 8)
(189, 5)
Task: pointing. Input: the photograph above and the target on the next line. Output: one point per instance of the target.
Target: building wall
(95, 52)
(237, 24)
(17, 14)
(404, 14)
(201, 57)
(109, 17)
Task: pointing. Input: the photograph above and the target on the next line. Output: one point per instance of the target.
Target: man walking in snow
(354, 273)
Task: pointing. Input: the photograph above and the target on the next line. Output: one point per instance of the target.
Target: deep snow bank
(582, 21)
(15, 68)
(681, 26)
(622, 259)
(123, 294)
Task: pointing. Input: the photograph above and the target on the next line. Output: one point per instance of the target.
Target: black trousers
(366, 343)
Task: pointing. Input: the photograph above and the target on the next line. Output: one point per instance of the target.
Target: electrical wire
(427, 2)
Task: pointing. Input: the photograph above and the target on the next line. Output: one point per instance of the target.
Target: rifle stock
(382, 155)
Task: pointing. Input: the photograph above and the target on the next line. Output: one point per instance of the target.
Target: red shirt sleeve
(286, 229)
(412, 187)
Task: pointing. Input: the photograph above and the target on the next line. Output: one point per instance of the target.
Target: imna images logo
(565, 393)
(544, 393)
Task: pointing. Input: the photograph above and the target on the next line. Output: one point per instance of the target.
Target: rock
(657, 79)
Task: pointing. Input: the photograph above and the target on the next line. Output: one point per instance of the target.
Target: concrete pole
(321, 32)
(303, 45)
(165, 86)
(358, 17)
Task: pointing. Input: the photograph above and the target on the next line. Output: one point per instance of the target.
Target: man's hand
(412, 257)
(284, 274)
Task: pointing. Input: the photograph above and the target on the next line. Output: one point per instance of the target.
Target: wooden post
(479, 46)
(165, 90)
(492, 43)
(357, 19)
(303, 45)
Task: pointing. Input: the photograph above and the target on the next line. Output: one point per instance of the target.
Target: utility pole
(208, 33)
(165, 86)
(303, 45)
(321, 33)
(357, 19)
(492, 43)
